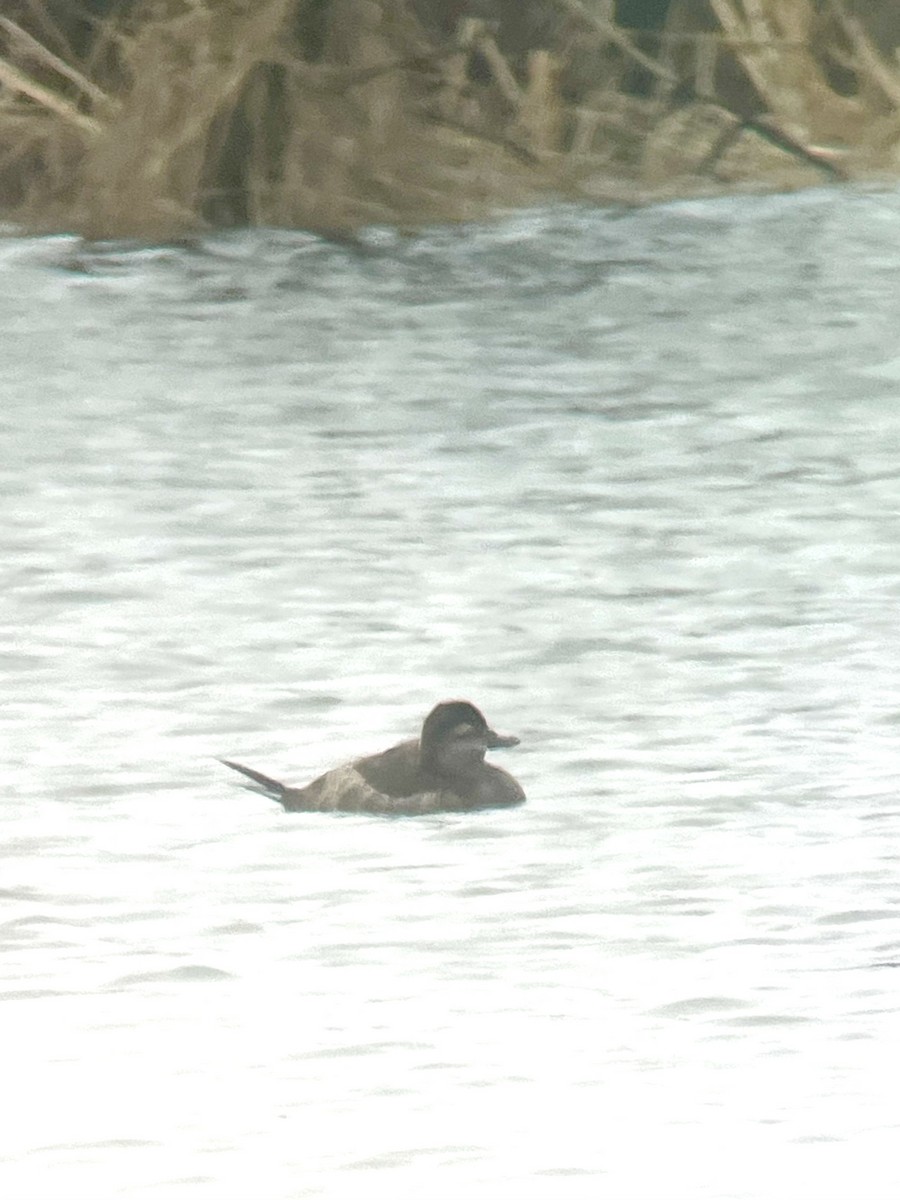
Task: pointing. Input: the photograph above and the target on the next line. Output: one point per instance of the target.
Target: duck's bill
(500, 741)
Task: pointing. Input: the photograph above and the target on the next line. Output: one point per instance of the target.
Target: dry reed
(334, 114)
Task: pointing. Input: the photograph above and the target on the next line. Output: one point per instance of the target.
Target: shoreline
(174, 120)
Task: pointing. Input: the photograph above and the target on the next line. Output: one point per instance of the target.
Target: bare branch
(16, 81)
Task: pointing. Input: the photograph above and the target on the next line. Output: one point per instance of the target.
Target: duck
(442, 770)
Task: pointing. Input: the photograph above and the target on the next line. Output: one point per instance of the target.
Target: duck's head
(455, 738)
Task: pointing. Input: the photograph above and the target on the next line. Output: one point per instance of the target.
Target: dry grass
(330, 116)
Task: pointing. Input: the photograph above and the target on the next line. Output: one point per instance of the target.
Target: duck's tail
(261, 783)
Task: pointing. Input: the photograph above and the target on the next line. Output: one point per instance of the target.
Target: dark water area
(630, 482)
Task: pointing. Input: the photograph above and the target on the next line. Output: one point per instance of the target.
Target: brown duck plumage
(443, 770)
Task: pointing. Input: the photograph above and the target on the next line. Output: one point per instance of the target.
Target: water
(628, 481)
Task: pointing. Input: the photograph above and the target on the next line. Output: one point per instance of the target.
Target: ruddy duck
(443, 770)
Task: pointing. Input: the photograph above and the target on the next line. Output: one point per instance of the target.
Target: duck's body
(443, 770)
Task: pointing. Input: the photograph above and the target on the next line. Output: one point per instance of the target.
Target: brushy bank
(157, 118)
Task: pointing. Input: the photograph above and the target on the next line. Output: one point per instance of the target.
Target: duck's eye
(463, 731)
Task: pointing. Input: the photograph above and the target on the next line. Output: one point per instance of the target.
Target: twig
(40, 52)
(341, 79)
(866, 55)
(769, 132)
(737, 27)
(505, 143)
(506, 81)
(615, 35)
(16, 81)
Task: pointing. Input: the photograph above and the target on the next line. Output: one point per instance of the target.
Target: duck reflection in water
(443, 770)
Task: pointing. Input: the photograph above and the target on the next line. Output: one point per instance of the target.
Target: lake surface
(628, 481)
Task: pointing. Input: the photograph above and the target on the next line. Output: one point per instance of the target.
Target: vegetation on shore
(157, 118)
